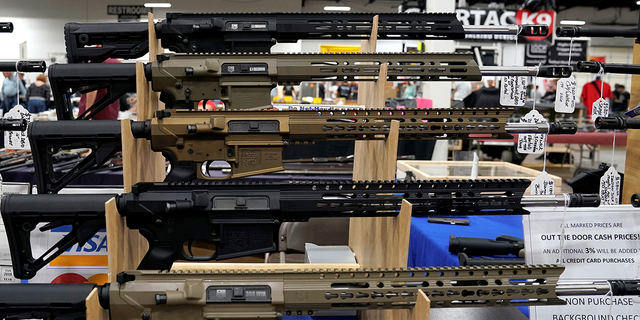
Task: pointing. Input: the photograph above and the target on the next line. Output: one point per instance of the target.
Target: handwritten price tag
(17, 139)
(543, 185)
(566, 95)
(600, 108)
(532, 143)
(513, 91)
(610, 188)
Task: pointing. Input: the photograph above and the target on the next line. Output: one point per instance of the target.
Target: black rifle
(13, 124)
(51, 301)
(23, 66)
(256, 32)
(6, 27)
(242, 218)
(466, 260)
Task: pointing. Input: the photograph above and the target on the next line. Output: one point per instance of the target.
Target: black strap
(596, 85)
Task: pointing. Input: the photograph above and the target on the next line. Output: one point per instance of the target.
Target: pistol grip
(180, 170)
(161, 255)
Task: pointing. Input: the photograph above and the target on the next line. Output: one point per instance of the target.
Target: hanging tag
(543, 185)
(610, 188)
(600, 109)
(17, 139)
(513, 91)
(532, 143)
(475, 166)
(566, 95)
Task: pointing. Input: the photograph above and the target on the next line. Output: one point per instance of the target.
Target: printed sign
(592, 244)
(513, 91)
(499, 17)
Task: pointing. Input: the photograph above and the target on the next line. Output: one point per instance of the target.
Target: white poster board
(596, 244)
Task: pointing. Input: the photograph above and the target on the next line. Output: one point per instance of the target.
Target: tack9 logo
(545, 17)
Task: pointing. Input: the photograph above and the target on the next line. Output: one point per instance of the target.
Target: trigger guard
(191, 257)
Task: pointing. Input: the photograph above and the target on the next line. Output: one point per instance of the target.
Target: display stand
(631, 164)
(381, 242)
(94, 311)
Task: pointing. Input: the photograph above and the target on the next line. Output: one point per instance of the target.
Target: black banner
(557, 54)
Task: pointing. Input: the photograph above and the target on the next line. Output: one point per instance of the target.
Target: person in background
(409, 91)
(550, 95)
(591, 92)
(620, 101)
(344, 90)
(108, 113)
(38, 95)
(487, 96)
(321, 91)
(10, 91)
(289, 91)
(354, 91)
(461, 90)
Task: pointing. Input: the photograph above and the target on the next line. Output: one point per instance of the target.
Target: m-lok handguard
(245, 80)
(22, 213)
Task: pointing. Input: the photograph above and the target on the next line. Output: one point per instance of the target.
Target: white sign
(566, 95)
(17, 139)
(596, 244)
(513, 91)
(600, 108)
(543, 185)
(532, 143)
(610, 187)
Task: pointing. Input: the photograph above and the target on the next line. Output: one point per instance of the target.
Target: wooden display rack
(631, 164)
(377, 242)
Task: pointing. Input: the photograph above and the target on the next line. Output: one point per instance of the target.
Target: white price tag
(600, 109)
(610, 188)
(17, 139)
(513, 91)
(566, 95)
(543, 185)
(532, 143)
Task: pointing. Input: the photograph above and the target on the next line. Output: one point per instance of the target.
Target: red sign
(546, 17)
(602, 59)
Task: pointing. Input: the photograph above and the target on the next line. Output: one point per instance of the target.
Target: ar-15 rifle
(246, 80)
(617, 123)
(502, 246)
(243, 218)
(258, 32)
(252, 141)
(272, 294)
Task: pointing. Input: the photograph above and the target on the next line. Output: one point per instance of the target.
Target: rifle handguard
(617, 123)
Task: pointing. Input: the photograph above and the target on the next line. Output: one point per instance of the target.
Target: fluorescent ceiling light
(638, 3)
(573, 22)
(337, 8)
(157, 5)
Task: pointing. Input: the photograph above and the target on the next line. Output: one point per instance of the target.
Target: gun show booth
(319, 160)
